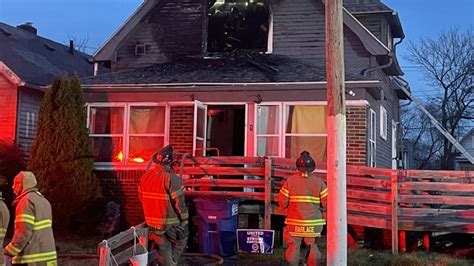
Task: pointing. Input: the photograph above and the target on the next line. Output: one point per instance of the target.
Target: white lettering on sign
(212, 217)
(235, 209)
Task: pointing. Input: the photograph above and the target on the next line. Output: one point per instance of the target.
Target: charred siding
(172, 30)
(299, 32)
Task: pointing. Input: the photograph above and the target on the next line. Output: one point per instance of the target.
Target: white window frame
(383, 123)
(278, 134)
(125, 131)
(283, 128)
(371, 139)
(281, 124)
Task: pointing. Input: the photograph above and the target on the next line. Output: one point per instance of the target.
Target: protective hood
(27, 179)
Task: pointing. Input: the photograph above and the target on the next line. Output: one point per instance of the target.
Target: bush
(11, 162)
(61, 156)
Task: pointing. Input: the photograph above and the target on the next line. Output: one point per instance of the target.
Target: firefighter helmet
(305, 163)
(164, 156)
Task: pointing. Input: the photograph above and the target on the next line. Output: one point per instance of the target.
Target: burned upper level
(168, 30)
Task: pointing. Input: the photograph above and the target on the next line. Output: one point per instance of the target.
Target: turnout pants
(168, 250)
(292, 253)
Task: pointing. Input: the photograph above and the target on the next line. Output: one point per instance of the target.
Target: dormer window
(140, 49)
(237, 25)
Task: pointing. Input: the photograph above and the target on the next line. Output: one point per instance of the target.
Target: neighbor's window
(126, 133)
(305, 129)
(371, 145)
(238, 24)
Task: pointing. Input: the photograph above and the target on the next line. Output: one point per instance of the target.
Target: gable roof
(241, 68)
(37, 60)
(361, 7)
(107, 50)
(365, 6)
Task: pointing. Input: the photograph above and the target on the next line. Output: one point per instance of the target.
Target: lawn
(88, 245)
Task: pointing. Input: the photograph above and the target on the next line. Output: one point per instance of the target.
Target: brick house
(28, 63)
(244, 78)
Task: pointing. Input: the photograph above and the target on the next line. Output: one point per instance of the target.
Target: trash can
(217, 220)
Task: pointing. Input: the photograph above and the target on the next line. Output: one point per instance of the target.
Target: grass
(88, 245)
(365, 257)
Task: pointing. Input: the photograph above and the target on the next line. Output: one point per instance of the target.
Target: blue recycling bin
(217, 220)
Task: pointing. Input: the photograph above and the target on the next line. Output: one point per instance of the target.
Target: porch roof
(241, 68)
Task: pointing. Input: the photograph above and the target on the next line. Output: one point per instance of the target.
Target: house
(461, 162)
(244, 78)
(28, 63)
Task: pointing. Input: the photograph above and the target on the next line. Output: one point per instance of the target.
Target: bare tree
(448, 66)
(424, 139)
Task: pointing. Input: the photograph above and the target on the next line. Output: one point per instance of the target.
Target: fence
(398, 200)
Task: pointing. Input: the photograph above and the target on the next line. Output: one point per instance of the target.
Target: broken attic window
(237, 24)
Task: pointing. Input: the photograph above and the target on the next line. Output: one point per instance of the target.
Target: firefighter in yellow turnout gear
(4, 219)
(303, 196)
(33, 240)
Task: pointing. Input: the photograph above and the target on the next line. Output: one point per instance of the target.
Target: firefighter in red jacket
(166, 214)
(33, 240)
(303, 196)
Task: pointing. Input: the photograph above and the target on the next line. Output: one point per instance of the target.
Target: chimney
(28, 26)
(71, 46)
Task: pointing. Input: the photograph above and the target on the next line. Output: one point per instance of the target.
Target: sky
(96, 20)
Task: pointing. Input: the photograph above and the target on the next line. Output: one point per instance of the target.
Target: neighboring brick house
(248, 79)
(28, 63)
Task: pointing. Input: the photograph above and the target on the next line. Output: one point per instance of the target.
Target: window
(372, 133)
(126, 133)
(238, 24)
(305, 129)
(383, 123)
(268, 130)
(140, 49)
(30, 124)
(284, 130)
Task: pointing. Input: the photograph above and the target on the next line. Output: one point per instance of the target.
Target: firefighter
(4, 219)
(33, 240)
(303, 196)
(165, 211)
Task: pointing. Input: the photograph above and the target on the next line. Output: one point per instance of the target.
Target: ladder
(441, 129)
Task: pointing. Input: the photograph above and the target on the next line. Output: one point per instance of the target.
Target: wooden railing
(118, 249)
(398, 200)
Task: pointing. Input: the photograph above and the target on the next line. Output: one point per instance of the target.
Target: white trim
(372, 132)
(122, 32)
(270, 31)
(256, 124)
(347, 13)
(394, 145)
(152, 85)
(383, 123)
(246, 128)
(125, 135)
(10, 75)
(199, 105)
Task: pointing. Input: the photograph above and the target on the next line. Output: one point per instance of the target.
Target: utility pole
(336, 145)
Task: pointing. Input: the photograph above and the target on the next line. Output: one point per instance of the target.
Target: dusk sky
(96, 20)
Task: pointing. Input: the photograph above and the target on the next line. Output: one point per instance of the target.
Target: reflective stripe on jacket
(33, 239)
(162, 197)
(304, 199)
(4, 219)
